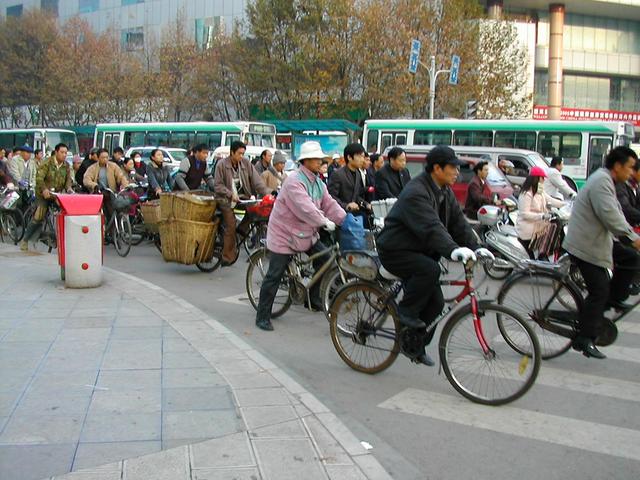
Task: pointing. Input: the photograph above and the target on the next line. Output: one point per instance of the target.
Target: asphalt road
(578, 421)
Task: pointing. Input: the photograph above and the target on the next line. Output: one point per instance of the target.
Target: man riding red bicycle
(425, 224)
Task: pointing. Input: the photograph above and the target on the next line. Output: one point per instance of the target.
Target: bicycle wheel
(216, 258)
(331, 282)
(498, 270)
(364, 328)
(255, 237)
(499, 376)
(256, 271)
(549, 305)
(14, 225)
(49, 232)
(138, 230)
(122, 234)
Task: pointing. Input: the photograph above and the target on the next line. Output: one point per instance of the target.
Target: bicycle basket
(121, 203)
(360, 264)
(9, 201)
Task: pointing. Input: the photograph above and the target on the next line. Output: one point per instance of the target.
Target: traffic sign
(414, 56)
(455, 67)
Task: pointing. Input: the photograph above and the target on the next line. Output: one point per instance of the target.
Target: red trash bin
(79, 228)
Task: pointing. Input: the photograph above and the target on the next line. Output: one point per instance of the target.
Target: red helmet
(537, 172)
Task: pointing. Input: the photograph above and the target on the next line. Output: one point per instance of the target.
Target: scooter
(498, 233)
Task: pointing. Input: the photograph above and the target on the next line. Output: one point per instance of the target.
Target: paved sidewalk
(128, 381)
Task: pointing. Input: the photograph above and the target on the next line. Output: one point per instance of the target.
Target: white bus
(40, 139)
(582, 145)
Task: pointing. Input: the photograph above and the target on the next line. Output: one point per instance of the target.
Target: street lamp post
(433, 76)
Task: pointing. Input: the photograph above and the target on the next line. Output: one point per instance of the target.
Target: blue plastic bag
(352, 233)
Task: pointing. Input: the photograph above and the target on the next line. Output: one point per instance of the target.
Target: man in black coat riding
(426, 223)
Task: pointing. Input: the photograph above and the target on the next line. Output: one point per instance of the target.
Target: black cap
(443, 155)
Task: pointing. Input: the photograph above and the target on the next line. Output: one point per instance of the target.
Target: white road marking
(628, 327)
(240, 299)
(594, 437)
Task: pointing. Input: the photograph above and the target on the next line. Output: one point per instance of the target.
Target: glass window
(69, 139)
(181, 140)
(14, 11)
(432, 137)
(49, 6)
(88, 6)
(23, 139)
(566, 145)
(598, 148)
(541, 86)
(524, 140)
(387, 140)
(372, 140)
(231, 137)
(6, 140)
(588, 39)
(213, 139)
(133, 39)
(474, 138)
(134, 139)
(131, 2)
(160, 139)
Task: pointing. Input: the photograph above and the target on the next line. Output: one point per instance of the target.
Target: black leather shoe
(268, 326)
(588, 348)
(424, 359)
(412, 322)
(618, 305)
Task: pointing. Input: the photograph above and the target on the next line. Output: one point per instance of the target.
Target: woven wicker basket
(186, 241)
(194, 206)
(151, 212)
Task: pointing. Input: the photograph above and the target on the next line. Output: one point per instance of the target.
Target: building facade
(586, 56)
(139, 22)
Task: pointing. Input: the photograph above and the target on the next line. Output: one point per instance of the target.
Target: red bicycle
(476, 358)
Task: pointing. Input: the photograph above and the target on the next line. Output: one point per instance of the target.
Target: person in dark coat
(89, 160)
(627, 193)
(426, 223)
(478, 192)
(346, 186)
(393, 176)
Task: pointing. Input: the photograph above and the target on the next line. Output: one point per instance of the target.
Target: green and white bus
(40, 139)
(582, 144)
(183, 134)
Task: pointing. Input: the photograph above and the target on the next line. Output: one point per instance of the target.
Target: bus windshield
(68, 138)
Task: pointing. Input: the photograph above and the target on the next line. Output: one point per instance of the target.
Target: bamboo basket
(198, 206)
(151, 212)
(186, 241)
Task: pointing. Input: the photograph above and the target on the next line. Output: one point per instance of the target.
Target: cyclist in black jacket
(426, 223)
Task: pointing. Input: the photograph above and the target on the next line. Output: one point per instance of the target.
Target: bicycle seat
(386, 274)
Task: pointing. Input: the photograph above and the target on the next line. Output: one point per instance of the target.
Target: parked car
(496, 180)
(172, 156)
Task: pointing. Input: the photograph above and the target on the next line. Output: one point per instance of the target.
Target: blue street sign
(414, 56)
(455, 67)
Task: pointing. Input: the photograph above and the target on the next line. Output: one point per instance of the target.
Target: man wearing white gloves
(302, 208)
(426, 223)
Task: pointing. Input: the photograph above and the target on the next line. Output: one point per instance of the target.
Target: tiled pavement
(127, 381)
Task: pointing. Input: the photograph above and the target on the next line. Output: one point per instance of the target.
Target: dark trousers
(278, 263)
(601, 289)
(420, 275)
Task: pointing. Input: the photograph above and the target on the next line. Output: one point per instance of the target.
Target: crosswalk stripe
(240, 299)
(594, 437)
(628, 327)
(626, 354)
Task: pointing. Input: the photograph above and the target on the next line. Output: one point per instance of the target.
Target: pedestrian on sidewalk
(301, 209)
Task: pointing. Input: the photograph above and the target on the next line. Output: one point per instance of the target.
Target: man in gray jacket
(596, 218)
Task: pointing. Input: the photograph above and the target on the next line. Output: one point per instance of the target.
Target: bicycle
(478, 362)
(250, 239)
(11, 219)
(547, 296)
(298, 279)
(119, 225)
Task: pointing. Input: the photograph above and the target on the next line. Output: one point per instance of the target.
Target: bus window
(212, 139)
(115, 141)
(598, 148)
(133, 139)
(432, 137)
(23, 139)
(158, 139)
(6, 140)
(401, 139)
(181, 140)
(231, 137)
(524, 140)
(473, 138)
(387, 140)
(565, 145)
(372, 141)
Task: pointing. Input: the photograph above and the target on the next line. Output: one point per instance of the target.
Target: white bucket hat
(310, 150)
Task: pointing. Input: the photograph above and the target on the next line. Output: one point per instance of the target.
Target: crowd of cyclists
(425, 224)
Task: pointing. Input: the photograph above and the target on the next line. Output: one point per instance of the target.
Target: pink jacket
(531, 211)
(301, 209)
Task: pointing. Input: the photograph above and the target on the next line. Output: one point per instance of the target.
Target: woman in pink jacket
(532, 207)
(302, 208)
